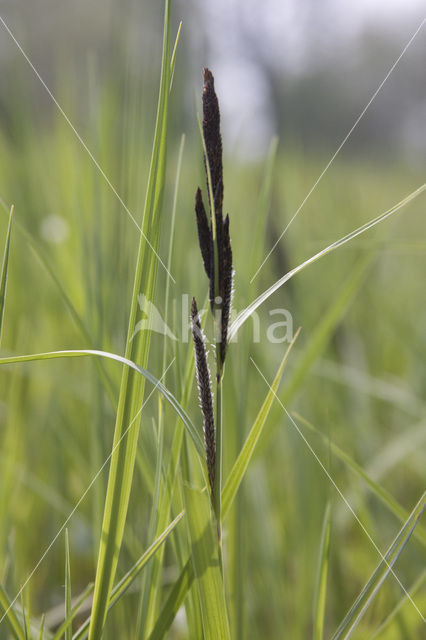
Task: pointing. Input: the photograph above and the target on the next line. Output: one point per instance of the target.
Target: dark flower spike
(227, 280)
(220, 292)
(213, 142)
(204, 392)
(204, 233)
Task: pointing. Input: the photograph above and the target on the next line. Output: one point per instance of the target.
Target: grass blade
(159, 515)
(10, 616)
(50, 355)
(77, 319)
(205, 558)
(321, 586)
(78, 603)
(361, 604)
(246, 313)
(241, 464)
(173, 602)
(137, 350)
(24, 616)
(381, 494)
(130, 576)
(41, 631)
(4, 269)
(184, 582)
(321, 335)
(125, 582)
(68, 609)
(412, 590)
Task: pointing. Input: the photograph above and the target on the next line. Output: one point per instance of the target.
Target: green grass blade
(4, 269)
(173, 602)
(159, 512)
(77, 319)
(80, 600)
(205, 558)
(241, 464)
(361, 604)
(137, 350)
(418, 584)
(316, 343)
(321, 335)
(125, 582)
(381, 494)
(41, 631)
(182, 585)
(321, 586)
(246, 313)
(130, 576)
(50, 355)
(173, 59)
(11, 618)
(24, 616)
(68, 608)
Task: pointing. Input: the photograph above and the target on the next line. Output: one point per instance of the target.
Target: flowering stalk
(204, 392)
(216, 252)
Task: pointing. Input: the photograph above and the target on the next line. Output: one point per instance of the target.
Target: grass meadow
(323, 441)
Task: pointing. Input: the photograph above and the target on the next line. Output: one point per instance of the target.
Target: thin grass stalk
(10, 616)
(4, 270)
(248, 311)
(132, 387)
(68, 606)
(127, 580)
(150, 586)
(217, 492)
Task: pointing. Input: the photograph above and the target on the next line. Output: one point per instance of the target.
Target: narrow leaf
(41, 631)
(361, 604)
(50, 355)
(418, 584)
(4, 270)
(173, 602)
(10, 616)
(186, 577)
(137, 349)
(240, 466)
(316, 343)
(125, 582)
(68, 630)
(205, 558)
(321, 586)
(381, 494)
(78, 603)
(247, 312)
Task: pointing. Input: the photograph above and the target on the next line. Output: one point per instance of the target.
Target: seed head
(204, 392)
(221, 290)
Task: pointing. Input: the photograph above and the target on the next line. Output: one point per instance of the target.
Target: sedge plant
(216, 252)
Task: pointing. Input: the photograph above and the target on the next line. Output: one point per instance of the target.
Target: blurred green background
(291, 80)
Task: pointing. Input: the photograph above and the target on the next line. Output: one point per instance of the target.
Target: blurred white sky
(239, 39)
(293, 35)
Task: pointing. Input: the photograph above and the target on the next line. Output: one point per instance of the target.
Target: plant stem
(217, 493)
